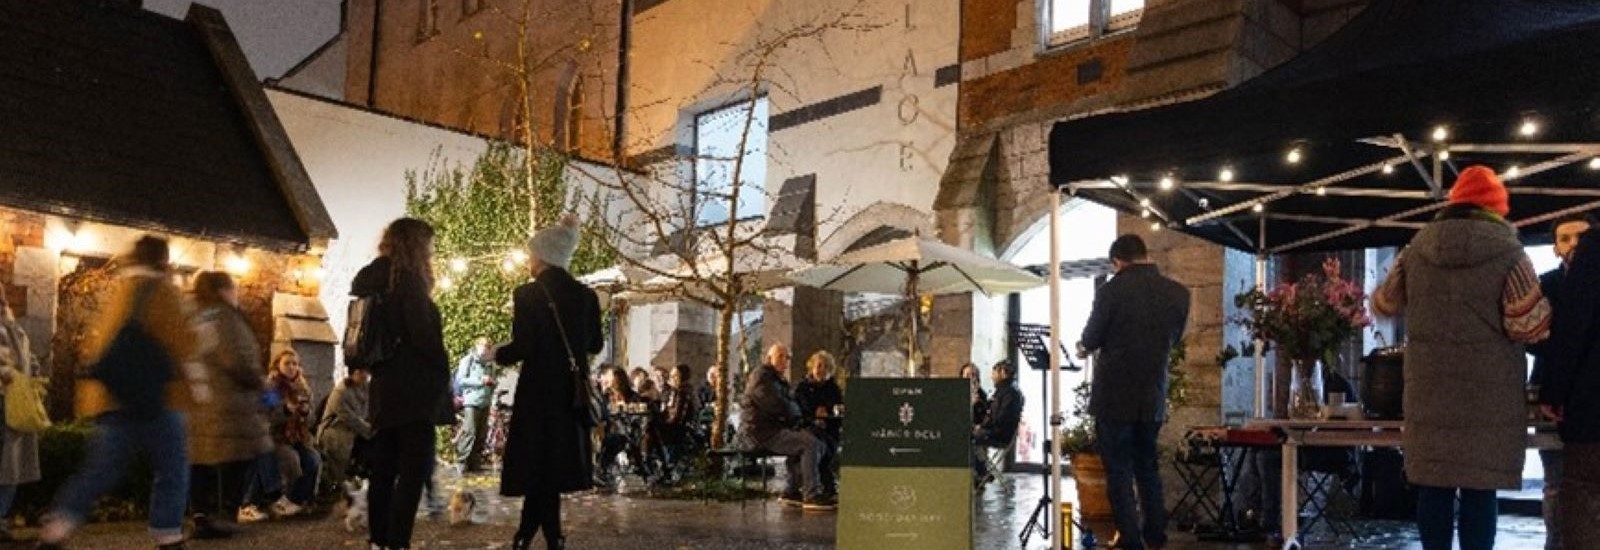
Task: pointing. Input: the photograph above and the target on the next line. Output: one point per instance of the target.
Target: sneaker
(252, 514)
(791, 499)
(821, 504)
(286, 508)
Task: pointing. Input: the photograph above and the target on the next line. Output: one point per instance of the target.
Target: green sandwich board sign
(907, 473)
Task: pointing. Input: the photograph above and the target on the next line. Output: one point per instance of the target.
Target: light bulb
(237, 265)
(1145, 202)
(1225, 175)
(1155, 228)
(1294, 156)
(446, 283)
(1121, 181)
(319, 273)
(508, 265)
(1444, 155)
(1594, 163)
(458, 265)
(1441, 133)
(519, 256)
(1513, 171)
(1529, 127)
(1167, 184)
(1322, 191)
(1258, 208)
(1388, 168)
(1145, 213)
(1205, 203)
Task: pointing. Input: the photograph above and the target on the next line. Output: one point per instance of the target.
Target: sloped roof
(1367, 97)
(119, 115)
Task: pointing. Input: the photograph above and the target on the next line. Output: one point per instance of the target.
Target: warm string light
(1444, 155)
(1513, 171)
(519, 257)
(237, 265)
(446, 283)
(1388, 168)
(1226, 174)
(1294, 156)
(1594, 163)
(1167, 183)
(1145, 203)
(1145, 213)
(458, 265)
(1441, 133)
(1258, 208)
(1529, 127)
(1322, 191)
(1155, 227)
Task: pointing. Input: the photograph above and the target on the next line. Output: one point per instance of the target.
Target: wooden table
(1338, 433)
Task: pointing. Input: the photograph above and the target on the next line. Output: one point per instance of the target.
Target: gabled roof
(118, 115)
(1359, 110)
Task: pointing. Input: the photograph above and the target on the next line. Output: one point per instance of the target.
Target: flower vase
(1305, 389)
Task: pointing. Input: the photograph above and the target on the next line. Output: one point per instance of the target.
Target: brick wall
(461, 77)
(1050, 82)
(986, 27)
(17, 229)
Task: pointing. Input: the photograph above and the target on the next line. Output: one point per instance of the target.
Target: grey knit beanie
(555, 244)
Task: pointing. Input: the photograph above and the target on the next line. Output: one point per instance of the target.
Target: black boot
(521, 543)
(558, 543)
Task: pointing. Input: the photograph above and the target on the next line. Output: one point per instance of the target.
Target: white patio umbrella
(915, 266)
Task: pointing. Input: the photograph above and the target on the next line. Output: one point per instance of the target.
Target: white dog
(461, 506)
(355, 501)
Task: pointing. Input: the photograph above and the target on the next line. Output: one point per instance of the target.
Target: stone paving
(633, 520)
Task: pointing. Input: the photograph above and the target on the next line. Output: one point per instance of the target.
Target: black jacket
(1572, 377)
(1138, 317)
(1550, 286)
(547, 449)
(768, 407)
(413, 386)
(811, 394)
(1005, 412)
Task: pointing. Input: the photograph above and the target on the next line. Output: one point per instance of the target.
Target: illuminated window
(717, 135)
(573, 138)
(1072, 21)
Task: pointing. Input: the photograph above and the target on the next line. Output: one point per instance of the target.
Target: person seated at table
(620, 399)
(999, 427)
(819, 397)
(979, 398)
(768, 422)
(643, 386)
(667, 431)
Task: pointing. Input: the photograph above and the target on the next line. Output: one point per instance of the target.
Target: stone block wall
(27, 275)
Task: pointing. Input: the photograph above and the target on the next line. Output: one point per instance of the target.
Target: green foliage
(482, 215)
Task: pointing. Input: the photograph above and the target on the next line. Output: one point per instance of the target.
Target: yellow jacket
(162, 318)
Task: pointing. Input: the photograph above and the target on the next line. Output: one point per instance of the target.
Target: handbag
(591, 410)
(25, 405)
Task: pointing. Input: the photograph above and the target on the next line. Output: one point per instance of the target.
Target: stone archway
(870, 219)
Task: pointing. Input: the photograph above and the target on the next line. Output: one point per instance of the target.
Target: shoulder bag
(588, 406)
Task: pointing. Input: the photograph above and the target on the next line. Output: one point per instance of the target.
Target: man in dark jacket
(1565, 232)
(999, 426)
(771, 420)
(1571, 389)
(1138, 317)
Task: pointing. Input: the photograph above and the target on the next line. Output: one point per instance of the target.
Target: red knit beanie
(1479, 185)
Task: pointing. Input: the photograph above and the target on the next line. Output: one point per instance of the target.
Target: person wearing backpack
(136, 352)
(19, 452)
(410, 385)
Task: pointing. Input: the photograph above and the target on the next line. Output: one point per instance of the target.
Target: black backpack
(135, 369)
(367, 339)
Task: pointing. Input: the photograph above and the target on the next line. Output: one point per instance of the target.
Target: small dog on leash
(461, 506)
(355, 502)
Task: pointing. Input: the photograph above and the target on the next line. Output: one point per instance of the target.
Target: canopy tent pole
(1260, 351)
(1055, 357)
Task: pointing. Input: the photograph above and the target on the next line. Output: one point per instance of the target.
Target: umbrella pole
(913, 351)
(1054, 436)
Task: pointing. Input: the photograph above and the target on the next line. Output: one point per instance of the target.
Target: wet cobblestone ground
(633, 520)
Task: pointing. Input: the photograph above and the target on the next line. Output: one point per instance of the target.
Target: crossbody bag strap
(572, 359)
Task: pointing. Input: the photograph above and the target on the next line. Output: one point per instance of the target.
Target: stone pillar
(951, 329)
(28, 273)
(807, 319)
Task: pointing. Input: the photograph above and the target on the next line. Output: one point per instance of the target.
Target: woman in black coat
(411, 387)
(548, 449)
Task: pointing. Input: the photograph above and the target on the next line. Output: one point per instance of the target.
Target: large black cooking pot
(1383, 383)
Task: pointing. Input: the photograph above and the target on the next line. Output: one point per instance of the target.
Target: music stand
(1032, 341)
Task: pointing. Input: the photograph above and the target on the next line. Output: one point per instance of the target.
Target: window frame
(428, 20)
(572, 136)
(1101, 25)
(694, 161)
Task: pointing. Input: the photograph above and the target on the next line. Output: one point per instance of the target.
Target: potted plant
(1307, 321)
(1077, 438)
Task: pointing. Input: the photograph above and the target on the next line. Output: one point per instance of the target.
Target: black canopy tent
(1336, 149)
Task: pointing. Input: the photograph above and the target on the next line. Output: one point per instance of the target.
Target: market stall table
(1339, 433)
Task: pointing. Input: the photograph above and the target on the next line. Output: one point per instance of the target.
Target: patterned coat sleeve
(1527, 312)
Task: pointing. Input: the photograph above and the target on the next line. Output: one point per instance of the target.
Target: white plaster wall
(323, 76)
(893, 152)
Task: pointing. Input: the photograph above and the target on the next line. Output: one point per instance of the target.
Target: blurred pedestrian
(1471, 300)
(554, 332)
(136, 348)
(226, 433)
(19, 452)
(409, 389)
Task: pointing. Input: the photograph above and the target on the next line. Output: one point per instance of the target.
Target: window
(428, 22)
(717, 134)
(1074, 20)
(572, 139)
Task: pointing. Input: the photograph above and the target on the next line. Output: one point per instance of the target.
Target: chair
(738, 456)
(1323, 478)
(994, 460)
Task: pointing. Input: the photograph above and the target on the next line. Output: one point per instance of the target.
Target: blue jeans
(8, 496)
(117, 437)
(264, 484)
(1129, 452)
(1437, 513)
(304, 488)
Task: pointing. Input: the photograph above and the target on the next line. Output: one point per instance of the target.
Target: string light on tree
(1529, 127)
(509, 265)
(519, 256)
(458, 265)
(446, 283)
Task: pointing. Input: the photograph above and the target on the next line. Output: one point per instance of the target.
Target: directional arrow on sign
(900, 451)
